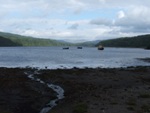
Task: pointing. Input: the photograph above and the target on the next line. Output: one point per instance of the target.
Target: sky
(75, 20)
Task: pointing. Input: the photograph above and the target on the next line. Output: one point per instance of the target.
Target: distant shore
(88, 90)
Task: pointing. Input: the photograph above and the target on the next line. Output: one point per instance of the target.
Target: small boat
(65, 47)
(100, 47)
(79, 47)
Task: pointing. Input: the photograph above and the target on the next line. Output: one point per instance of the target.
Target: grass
(114, 103)
(145, 108)
(80, 108)
(130, 108)
(4, 111)
(131, 102)
(145, 95)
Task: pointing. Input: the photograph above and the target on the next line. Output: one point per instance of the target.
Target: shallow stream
(56, 88)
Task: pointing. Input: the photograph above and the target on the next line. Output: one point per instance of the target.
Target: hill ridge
(141, 41)
(20, 40)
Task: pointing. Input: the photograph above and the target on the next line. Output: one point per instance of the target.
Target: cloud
(75, 19)
(74, 26)
(136, 19)
(128, 22)
(121, 14)
(101, 21)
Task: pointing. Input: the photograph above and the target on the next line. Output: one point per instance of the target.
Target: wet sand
(121, 90)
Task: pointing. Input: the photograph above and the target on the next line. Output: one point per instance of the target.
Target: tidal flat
(88, 90)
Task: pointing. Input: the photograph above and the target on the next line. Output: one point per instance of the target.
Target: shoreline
(94, 90)
(146, 63)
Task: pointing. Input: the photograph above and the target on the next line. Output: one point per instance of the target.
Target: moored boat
(65, 47)
(79, 47)
(100, 47)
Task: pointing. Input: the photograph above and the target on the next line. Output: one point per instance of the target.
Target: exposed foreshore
(118, 90)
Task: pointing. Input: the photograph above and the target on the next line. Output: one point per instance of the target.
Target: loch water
(57, 57)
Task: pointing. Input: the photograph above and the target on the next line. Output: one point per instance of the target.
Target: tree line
(142, 41)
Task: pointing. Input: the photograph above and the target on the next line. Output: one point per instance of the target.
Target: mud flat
(19, 94)
(120, 90)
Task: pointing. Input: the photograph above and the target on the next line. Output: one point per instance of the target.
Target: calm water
(56, 57)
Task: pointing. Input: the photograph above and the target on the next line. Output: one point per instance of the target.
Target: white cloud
(86, 19)
(136, 19)
(121, 14)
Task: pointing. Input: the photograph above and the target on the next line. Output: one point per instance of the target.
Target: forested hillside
(7, 42)
(142, 41)
(18, 40)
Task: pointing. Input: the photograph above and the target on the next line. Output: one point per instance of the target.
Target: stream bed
(56, 88)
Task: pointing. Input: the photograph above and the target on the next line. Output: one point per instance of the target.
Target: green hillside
(7, 42)
(142, 41)
(19, 40)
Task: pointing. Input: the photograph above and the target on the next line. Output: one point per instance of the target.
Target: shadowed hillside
(7, 42)
(142, 41)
